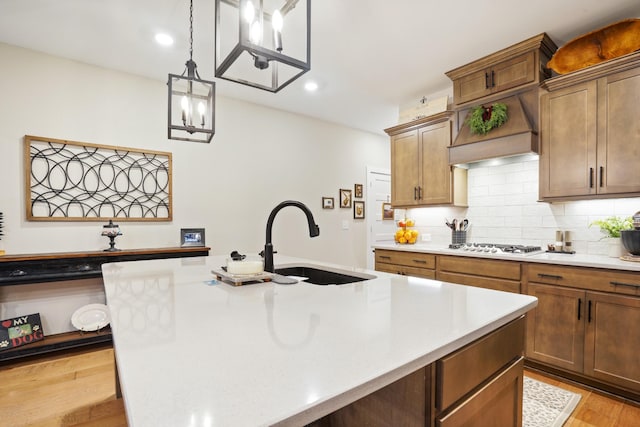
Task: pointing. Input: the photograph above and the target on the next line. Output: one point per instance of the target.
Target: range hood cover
(514, 137)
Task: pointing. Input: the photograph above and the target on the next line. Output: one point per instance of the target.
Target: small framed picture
(358, 210)
(387, 212)
(192, 237)
(345, 198)
(327, 203)
(357, 190)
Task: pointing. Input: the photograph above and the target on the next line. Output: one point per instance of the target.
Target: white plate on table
(91, 317)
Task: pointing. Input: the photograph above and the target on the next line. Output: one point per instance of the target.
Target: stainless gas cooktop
(496, 248)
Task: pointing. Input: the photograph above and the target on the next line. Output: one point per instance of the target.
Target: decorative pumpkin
(597, 46)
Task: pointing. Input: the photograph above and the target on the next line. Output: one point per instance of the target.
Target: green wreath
(482, 119)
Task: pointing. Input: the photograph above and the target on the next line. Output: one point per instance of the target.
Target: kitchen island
(193, 351)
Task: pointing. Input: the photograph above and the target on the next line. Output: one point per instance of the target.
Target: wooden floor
(78, 389)
(595, 408)
(75, 389)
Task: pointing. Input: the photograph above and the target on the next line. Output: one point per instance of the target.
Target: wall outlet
(345, 224)
(426, 237)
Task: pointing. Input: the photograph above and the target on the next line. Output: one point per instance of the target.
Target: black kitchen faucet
(314, 230)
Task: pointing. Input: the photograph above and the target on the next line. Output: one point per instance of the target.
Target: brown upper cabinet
(420, 171)
(509, 70)
(590, 132)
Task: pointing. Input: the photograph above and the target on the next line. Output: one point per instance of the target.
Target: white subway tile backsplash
(506, 189)
(478, 191)
(504, 208)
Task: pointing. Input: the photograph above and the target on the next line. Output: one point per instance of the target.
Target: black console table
(63, 266)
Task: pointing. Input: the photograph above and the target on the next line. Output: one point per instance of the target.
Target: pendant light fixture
(191, 101)
(263, 43)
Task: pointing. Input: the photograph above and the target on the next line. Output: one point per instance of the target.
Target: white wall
(504, 208)
(258, 158)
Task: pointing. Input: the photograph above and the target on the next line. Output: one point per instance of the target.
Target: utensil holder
(458, 237)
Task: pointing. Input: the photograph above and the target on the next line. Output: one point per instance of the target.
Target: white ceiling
(368, 56)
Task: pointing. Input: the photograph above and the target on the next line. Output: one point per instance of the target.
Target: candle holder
(112, 231)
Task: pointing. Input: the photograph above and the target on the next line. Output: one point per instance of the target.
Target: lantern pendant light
(191, 101)
(263, 43)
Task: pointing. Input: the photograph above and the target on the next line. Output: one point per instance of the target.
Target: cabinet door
(436, 184)
(612, 344)
(405, 168)
(472, 86)
(555, 328)
(568, 141)
(513, 72)
(619, 133)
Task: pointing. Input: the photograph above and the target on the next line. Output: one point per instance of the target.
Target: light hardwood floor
(78, 389)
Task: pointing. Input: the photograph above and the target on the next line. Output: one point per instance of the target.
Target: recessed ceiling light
(164, 39)
(311, 86)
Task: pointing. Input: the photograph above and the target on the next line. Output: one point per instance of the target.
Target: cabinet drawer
(480, 267)
(480, 282)
(500, 401)
(406, 271)
(585, 278)
(410, 259)
(462, 371)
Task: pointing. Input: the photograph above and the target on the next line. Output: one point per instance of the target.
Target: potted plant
(612, 227)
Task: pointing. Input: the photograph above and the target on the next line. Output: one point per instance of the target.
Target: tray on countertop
(242, 279)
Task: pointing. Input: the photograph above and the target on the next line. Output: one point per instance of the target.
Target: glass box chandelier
(191, 101)
(262, 43)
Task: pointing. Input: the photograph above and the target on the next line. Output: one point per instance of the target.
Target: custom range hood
(518, 135)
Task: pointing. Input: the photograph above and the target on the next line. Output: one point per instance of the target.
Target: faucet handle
(261, 253)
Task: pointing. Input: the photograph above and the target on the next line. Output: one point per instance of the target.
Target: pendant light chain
(191, 31)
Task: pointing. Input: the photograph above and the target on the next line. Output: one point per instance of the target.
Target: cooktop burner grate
(496, 247)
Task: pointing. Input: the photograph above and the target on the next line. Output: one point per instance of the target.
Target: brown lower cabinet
(584, 326)
(481, 272)
(406, 263)
(481, 381)
(587, 332)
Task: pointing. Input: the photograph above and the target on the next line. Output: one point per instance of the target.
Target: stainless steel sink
(320, 275)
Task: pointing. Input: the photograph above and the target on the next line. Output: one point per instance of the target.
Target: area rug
(545, 405)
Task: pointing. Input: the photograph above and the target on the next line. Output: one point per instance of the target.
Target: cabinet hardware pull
(493, 78)
(601, 176)
(420, 261)
(590, 177)
(549, 276)
(384, 257)
(589, 315)
(629, 285)
(579, 307)
(415, 193)
(486, 80)
(419, 193)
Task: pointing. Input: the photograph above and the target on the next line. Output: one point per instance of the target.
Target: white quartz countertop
(194, 352)
(578, 260)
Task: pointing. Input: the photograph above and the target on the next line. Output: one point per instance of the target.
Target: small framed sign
(327, 203)
(20, 331)
(191, 237)
(387, 212)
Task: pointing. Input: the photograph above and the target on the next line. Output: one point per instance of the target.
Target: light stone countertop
(192, 352)
(578, 260)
